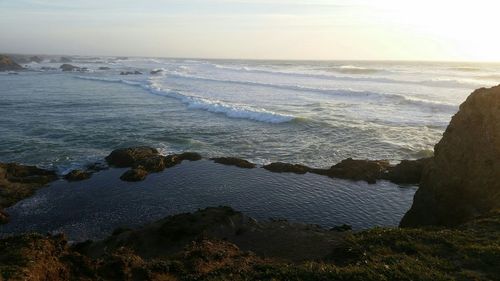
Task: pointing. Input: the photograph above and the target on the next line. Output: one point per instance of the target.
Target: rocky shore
(452, 231)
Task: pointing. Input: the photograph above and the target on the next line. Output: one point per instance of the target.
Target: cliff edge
(462, 181)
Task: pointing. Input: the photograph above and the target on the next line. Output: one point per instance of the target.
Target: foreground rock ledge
(223, 244)
(462, 181)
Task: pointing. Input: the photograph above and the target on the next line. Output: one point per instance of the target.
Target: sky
(441, 30)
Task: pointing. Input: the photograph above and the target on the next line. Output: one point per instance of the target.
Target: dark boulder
(18, 182)
(232, 161)
(77, 175)
(26, 174)
(407, 171)
(156, 163)
(128, 157)
(462, 181)
(190, 156)
(279, 167)
(104, 68)
(136, 174)
(7, 64)
(156, 71)
(69, 67)
(367, 170)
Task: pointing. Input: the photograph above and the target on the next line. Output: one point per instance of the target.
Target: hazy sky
(279, 29)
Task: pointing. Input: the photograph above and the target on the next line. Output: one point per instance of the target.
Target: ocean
(312, 113)
(309, 112)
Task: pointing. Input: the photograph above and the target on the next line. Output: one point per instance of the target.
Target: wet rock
(69, 67)
(232, 161)
(7, 64)
(279, 167)
(128, 157)
(190, 156)
(156, 71)
(462, 181)
(104, 68)
(18, 182)
(136, 174)
(77, 175)
(156, 163)
(367, 170)
(130, 73)
(407, 172)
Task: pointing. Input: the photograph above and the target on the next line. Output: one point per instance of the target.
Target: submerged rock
(7, 64)
(232, 161)
(77, 175)
(136, 174)
(104, 68)
(462, 181)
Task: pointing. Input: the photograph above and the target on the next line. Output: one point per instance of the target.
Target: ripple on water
(92, 209)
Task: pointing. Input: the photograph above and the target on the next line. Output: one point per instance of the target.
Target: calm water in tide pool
(93, 208)
(314, 113)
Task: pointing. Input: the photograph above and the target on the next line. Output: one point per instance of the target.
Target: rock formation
(7, 64)
(144, 160)
(462, 181)
(18, 182)
(70, 67)
(232, 161)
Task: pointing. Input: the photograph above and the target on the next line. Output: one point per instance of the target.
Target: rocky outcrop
(70, 67)
(77, 175)
(145, 159)
(367, 170)
(407, 171)
(233, 161)
(223, 244)
(130, 73)
(155, 71)
(36, 59)
(280, 167)
(7, 64)
(18, 182)
(462, 181)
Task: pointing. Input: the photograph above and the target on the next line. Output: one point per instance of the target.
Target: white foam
(215, 106)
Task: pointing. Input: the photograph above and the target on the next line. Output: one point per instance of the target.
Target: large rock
(145, 159)
(128, 157)
(18, 182)
(233, 161)
(7, 64)
(70, 67)
(280, 167)
(367, 170)
(462, 181)
(407, 171)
